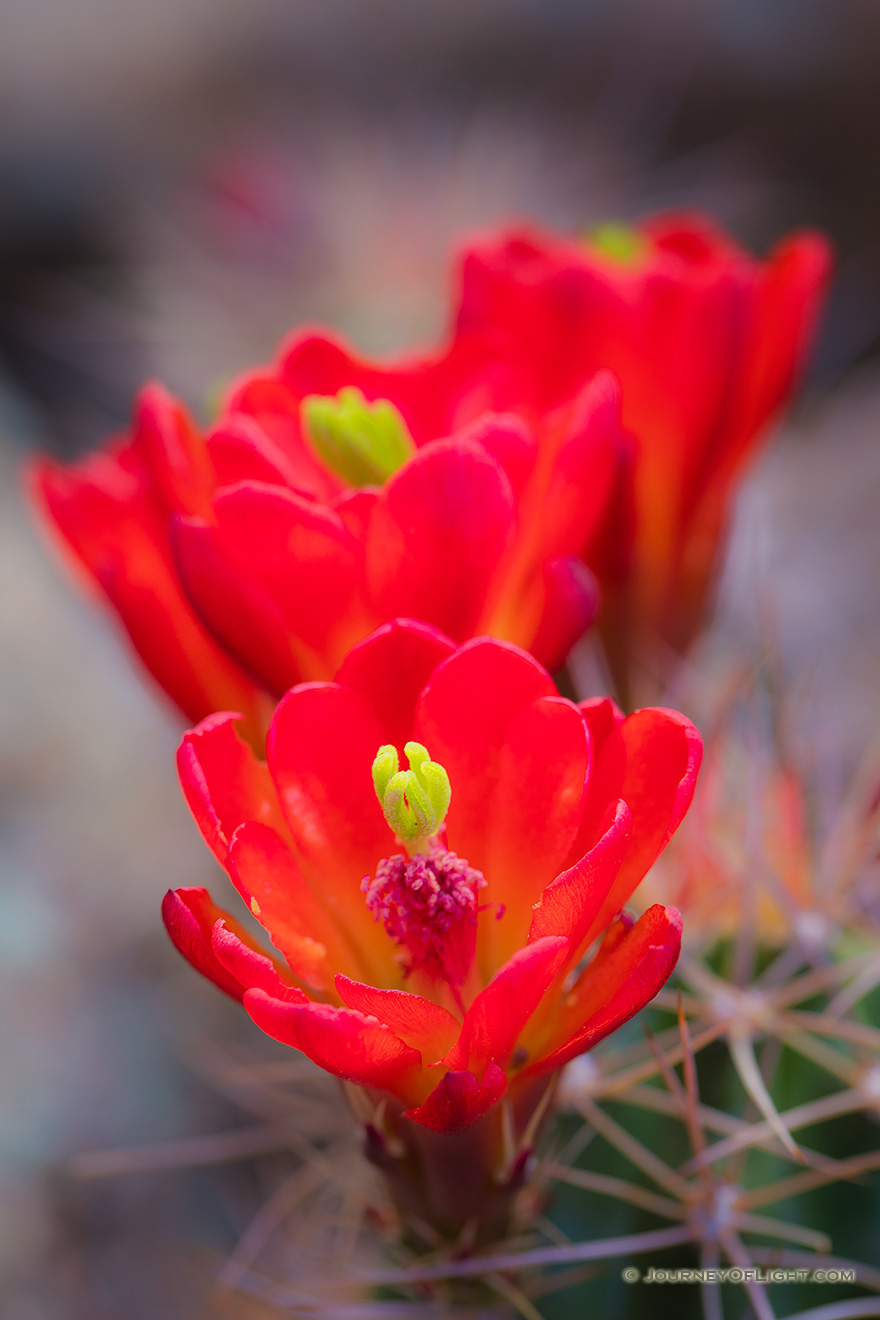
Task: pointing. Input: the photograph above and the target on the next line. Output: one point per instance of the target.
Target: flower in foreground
(435, 843)
(707, 344)
(330, 497)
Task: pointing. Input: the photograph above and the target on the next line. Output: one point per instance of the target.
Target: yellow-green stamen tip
(415, 801)
(364, 443)
(620, 242)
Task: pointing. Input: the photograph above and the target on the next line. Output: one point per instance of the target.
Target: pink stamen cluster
(424, 902)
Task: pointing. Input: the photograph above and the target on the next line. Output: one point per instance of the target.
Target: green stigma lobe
(620, 242)
(364, 443)
(415, 801)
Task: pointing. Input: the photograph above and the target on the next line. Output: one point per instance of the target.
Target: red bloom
(432, 963)
(243, 562)
(707, 344)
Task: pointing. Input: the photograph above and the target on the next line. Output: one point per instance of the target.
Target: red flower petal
(270, 880)
(437, 534)
(390, 668)
(651, 760)
(314, 363)
(532, 813)
(251, 967)
(279, 580)
(271, 404)
(499, 1013)
(570, 604)
(173, 451)
(224, 782)
(190, 916)
(436, 396)
(570, 904)
(510, 442)
(462, 718)
(426, 1026)
(459, 1100)
(342, 1041)
(355, 509)
(616, 986)
(603, 715)
(583, 471)
(321, 748)
(240, 450)
(105, 512)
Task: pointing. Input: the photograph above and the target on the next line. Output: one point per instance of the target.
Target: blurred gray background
(182, 182)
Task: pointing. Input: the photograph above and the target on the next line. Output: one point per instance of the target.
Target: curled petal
(224, 782)
(426, 1026)
(615, 986)
(460, 1099)
(343, 1041)
(269, 878)
(570, 903)
(495, 1019)
(251, 967)
(190, 916)
(650, 760)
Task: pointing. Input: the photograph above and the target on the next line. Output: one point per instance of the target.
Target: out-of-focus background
(182, 182)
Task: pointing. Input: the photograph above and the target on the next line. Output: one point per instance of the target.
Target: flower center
(364, 443)
(619, 242)
(428, 905)
(415, 801)
(427, 900)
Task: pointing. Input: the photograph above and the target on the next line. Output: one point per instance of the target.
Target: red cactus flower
(428, 948)
(330, 497)
(707, 343)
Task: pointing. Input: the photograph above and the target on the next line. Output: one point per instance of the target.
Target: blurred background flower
(183, 182)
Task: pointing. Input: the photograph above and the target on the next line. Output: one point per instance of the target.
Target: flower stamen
(428, 905)
(364, 443)
(414, 801)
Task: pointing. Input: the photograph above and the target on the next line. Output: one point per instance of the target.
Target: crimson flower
(707, 344)
(430, 949)
(330, 497)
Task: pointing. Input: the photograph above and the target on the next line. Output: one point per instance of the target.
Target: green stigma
(620, 242)
(364, 443)
(415, 801)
